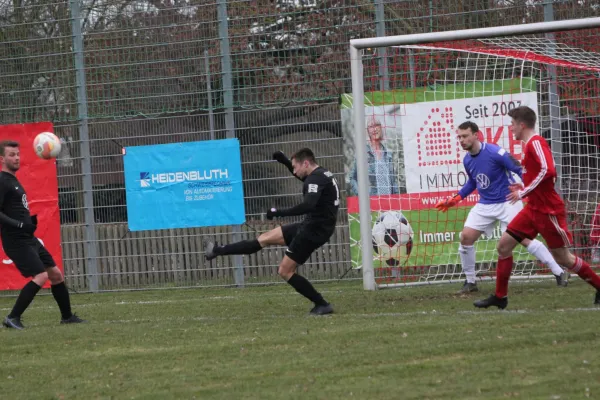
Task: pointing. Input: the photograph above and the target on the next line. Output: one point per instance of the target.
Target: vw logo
(483, 181)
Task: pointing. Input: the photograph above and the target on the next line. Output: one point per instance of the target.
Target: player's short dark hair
(304, 154)
(525, 115)
(469, 125)
(7, 143)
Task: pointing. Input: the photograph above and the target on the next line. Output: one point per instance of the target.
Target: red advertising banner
(39, 179)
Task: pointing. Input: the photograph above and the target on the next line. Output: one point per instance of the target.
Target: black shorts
(29, 256)
(302, 239)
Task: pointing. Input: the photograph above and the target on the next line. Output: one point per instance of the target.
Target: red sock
(503, 270)
(584, 271)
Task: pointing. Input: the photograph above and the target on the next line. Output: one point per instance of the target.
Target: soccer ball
(47, 145)
(392, 238)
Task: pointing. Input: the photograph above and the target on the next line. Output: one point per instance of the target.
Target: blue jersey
(489, 172)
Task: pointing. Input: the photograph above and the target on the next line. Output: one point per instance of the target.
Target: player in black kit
(28, 254)
(320, 205)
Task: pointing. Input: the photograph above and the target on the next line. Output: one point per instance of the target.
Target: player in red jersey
(544, 213)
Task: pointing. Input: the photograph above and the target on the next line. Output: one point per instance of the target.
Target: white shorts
(483, 217)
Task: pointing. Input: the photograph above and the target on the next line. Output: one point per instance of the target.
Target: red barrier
(39, 179)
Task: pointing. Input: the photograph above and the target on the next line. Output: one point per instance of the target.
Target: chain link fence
(115, 73)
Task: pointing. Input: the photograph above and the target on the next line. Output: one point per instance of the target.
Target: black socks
(24, 300)
(61, 295)
(243, 247)
(306, 289)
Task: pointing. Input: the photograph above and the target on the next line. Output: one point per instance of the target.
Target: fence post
(382, 51)
(211, 117)
(236, 234)
(553, 100)
(91, 258)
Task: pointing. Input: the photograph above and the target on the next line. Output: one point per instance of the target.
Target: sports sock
(24, 300)
(243, 247)
(467, 259)
(503, 270)
(61, 295)
(584, 271)
(306, 289)
(539, 251)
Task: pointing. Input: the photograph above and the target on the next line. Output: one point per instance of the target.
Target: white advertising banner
(432, 155)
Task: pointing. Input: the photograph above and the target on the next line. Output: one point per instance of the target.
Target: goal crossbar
(430, 39)
(479, 33)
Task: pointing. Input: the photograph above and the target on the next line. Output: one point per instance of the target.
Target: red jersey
(539, 175)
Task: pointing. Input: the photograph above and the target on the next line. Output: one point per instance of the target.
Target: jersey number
(337, 192)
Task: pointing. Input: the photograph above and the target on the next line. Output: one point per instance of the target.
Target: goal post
(485, 71)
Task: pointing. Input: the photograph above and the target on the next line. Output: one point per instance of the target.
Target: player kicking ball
(27, 253)
(489, 168)
(544, 213)
(320, 205)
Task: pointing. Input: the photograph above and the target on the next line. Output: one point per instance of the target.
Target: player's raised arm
(280, 157)
(311, 198)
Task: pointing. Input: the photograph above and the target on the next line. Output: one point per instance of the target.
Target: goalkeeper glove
(444, 205)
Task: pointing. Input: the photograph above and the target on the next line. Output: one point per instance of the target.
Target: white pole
(554, 102)
(362, 169)
(480, 33)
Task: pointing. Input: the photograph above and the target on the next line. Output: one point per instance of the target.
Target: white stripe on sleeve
(543, 170)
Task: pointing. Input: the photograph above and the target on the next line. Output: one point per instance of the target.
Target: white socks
(467, 259)
(539, 251)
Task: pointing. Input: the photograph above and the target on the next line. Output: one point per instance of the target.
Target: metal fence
(114, 73)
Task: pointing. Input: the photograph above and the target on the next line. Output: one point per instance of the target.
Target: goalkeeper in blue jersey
(490, 168)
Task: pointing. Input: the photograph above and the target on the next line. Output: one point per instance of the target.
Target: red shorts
(553, 228)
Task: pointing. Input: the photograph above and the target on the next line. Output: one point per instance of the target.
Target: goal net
(415, 96)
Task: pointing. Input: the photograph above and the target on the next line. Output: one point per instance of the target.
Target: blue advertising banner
(184, 185)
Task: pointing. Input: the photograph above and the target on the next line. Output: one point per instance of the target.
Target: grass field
(259, 343)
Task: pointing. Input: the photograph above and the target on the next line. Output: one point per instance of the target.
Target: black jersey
(322, 186)
(13, 206)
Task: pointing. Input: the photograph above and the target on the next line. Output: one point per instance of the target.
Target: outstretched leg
(555, 231)
(541, 252)
(270, 238)
(27, 260)
(13, 320)
(580, 267)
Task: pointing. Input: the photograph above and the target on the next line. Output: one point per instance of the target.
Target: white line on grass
(341, 315)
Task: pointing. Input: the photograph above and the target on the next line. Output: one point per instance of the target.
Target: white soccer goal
(434, 82)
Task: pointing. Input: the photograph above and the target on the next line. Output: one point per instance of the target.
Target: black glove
(272, 213)
(280, 157)
(28, 228)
